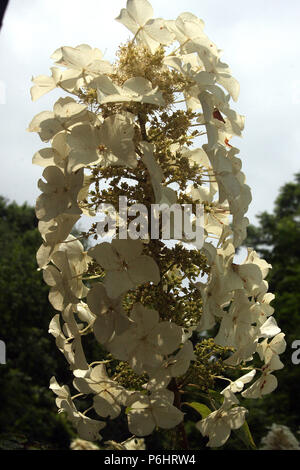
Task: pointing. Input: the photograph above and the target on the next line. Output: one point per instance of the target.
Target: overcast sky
(260, 40)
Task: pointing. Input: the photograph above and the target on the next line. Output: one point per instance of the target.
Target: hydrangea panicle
(155, 126)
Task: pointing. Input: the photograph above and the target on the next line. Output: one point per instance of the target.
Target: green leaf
(244, 434)
(202, 409)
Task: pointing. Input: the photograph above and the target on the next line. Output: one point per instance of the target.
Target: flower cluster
(279, 437)
(131, 128)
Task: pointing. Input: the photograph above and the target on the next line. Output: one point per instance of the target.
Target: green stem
(177, 402)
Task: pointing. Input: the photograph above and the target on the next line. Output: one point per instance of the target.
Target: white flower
(276, 346)
(66, 286)
(59, 193)
(109, 144)
(279, 437)
(137, 17)
(238, 385)
(224, 268)
(110, 315)
(218, 425)
(214, 300)
(108, 395)
(148, 411)
(215, 214)
(87, 428)
(267, 382)
(135, 444)
(83, 59)
(66, 112)
(245, 350)
(43, 84)
(72, 246)
(269, 328)
(163, 194)
(147, 340)
(236, 326)
(84, 313)
(187, 27)
(223, 76)
(263, 386)
(252, 271)
(125, 266)
(117, 134)
(69, 340)
(57, 230)
(136, 89)
(55, 155)
(81, 444)
(174, 366)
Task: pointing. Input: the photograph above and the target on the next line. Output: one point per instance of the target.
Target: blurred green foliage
(27, 405)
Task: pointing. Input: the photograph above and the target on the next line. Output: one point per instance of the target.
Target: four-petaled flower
(125, 265)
